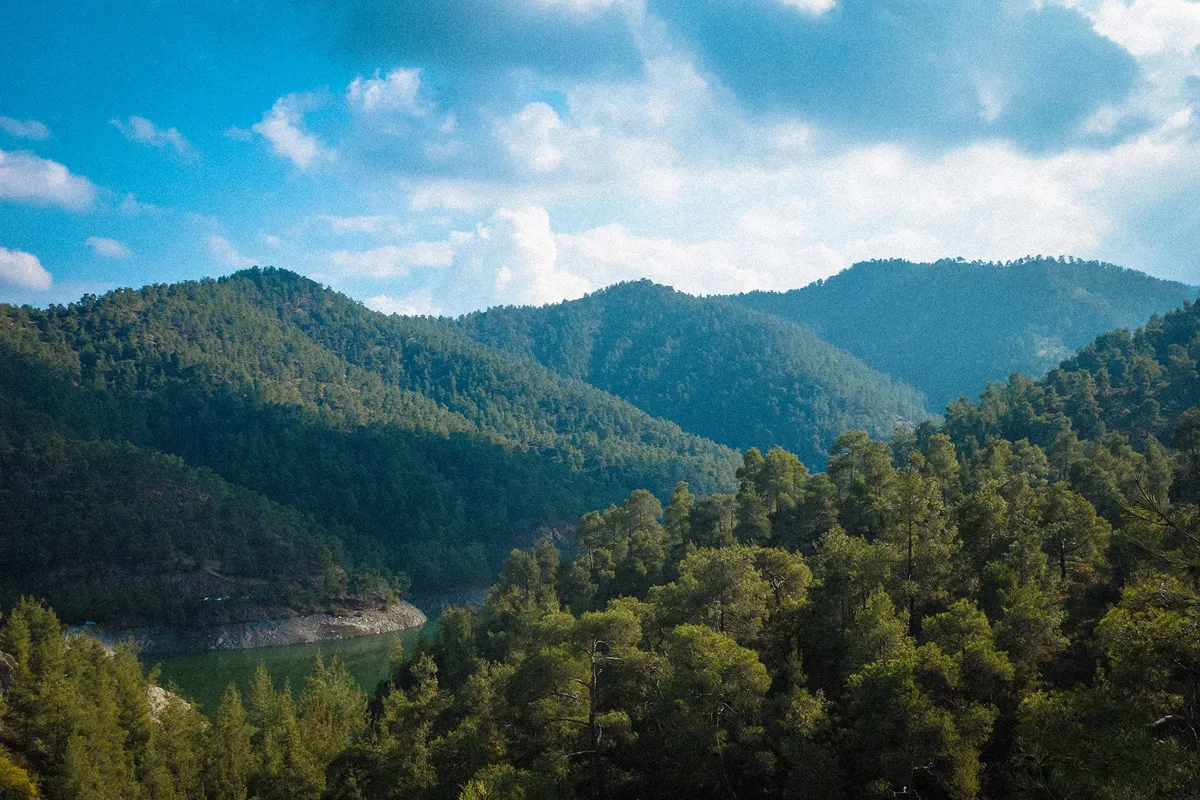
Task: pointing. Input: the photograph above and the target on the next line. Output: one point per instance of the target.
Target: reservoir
(203, 677)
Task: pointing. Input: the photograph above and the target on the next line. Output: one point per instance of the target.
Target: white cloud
(596, 145)
(140, 129)
(512, 259)
(813, 7)
(647, 167)
(377, 223)
(237, 134)
(399, 91)
(611, 253)
(450, 195)
(531, 137)
(282, 126)
(789, 137)
(27, 178)
(24, 129)
(1146, 27)
(1164, 37)
(131, 206)
(779, 227)
(18, 268)
(414, 304)
(665, 177)
(109, 248)
(392, 261)
(226, 253)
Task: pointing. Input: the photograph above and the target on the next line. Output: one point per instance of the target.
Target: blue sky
(437, 156)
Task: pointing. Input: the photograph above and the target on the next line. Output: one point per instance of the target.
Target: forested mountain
(1138, 385)
(956, 613)
(105, 530)
(738, 377)
(419, 448)
(949, 327)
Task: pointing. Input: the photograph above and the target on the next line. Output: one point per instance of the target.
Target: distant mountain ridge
(948, 327)
(722, 371)
(1136, 385)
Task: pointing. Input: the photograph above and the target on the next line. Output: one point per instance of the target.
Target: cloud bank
(24, 270)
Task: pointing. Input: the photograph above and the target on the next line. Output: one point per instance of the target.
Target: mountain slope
(111, 532)
(949, 327)
(1138, 384)
(719, 370)
(423, 449)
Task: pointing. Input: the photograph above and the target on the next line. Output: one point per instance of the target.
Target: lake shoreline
(309, 629)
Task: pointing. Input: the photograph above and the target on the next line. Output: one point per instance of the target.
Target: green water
(203, 677)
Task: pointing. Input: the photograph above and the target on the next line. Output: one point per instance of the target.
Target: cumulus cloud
(419, 303)
(18, 268)
(140, 129)
(611, 253)
(936, 74)
(109, 248)
(283, 127)
(672, 175)
(530, 137)
(399, 91)
(443, 194)
(1145, 27)
(24, 129)
(225, 253)
(27, 178)
(782, 225)
(392, 261)
(510, 259)
(788, 226)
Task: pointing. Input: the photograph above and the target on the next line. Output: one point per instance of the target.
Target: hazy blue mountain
(1137, 384)
(949, 327)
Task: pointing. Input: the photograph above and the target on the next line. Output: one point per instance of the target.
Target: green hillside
(111, 532)
(949, 327)
(1137, 385)
(738, 377)
(955, 614)
(425, 451)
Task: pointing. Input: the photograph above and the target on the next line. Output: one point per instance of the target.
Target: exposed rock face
(270, 633)
(161, 700)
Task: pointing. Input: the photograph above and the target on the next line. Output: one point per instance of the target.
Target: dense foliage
(412, 446)
(719, 370)
(948, 614)
(1007, 605)
(1139, 384)
(79, 722)
(108, 531)
(949, 327)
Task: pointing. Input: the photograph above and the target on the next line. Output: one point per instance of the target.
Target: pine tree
(230, 750)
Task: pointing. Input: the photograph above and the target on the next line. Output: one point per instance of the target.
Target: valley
(889, 587)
